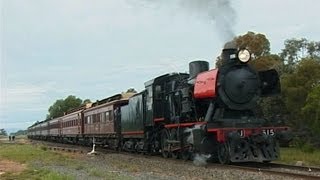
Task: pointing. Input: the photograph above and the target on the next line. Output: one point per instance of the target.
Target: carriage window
(94, 118)
(107, 114)
(103, 117)
(88, 119)
(98, 118)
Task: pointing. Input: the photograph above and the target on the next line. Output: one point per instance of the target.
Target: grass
(24, 153)
(27, 154)
(36, 175)
(292, 155)
(39, 162)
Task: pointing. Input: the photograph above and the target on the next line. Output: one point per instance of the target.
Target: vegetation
(42, 164)
(64, 105)
(36, 174)
(300, 88)
(3, 132)
(28, 154)
(306, 155)
(19, 133)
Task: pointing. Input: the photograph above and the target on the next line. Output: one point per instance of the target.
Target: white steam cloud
(218, 12)
(201, 159)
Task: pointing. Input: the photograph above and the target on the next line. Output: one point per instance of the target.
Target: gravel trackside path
(130, 166)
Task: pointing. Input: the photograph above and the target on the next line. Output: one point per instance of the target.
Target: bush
(303, 144)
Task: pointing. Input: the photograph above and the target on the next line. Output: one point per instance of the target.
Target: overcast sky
(93, 49)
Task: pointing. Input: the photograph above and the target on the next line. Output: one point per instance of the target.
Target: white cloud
(25, 97)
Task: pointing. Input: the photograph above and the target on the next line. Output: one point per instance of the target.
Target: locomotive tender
(206, 111)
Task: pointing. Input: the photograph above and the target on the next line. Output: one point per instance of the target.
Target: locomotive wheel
(224, 153)
(175, 155)
(173, 136)
(164, 143)
(185, 155)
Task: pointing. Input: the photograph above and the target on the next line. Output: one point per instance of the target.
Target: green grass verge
(25, 153)
(28, 154)
(36, 175)
(39, 160)
(292, 155)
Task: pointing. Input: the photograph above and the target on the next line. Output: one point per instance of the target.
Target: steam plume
(218, 12)
(201, 159)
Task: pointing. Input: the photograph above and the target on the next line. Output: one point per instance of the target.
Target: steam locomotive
(178, 115)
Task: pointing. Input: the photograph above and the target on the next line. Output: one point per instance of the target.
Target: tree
(20, 132)
(297, 49)
(259, 45)
(296, 88)
(3, 132)
(86, 101)
(270, 61)
(311, 109)
(63, 105)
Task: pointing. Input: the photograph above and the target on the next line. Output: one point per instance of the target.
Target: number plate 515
(268, 131)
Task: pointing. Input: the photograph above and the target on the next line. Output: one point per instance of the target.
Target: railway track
(292, 171)
(301, 172)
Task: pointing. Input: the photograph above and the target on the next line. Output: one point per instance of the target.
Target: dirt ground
(10, 166)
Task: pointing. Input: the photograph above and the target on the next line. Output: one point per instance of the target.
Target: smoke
(198, 159)
(189, 131)
(218, 12)
(201, 159)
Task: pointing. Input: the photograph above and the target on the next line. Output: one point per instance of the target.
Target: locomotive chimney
(229, 51)
(196, 67)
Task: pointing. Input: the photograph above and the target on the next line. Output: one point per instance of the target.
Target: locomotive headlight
(244, 55)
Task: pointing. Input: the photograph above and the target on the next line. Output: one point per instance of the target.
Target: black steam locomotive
(178, 115)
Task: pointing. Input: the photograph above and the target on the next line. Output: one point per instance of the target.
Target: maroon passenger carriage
(90, 123)
(101, 125)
